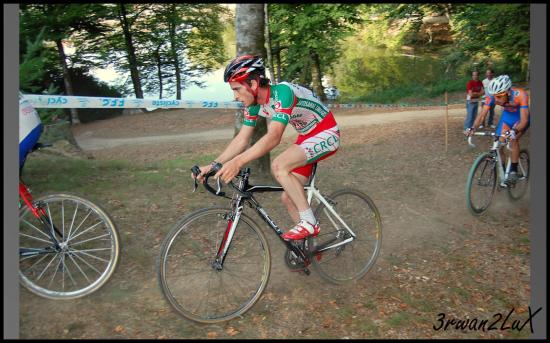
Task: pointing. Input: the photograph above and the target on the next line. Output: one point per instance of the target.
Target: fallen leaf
(231, 331)
(521, 310)
(212, 334)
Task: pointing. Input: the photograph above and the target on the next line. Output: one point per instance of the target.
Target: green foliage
(495, 33)
(95, 32)
(166, 39)
(375, 68)
(302, 29)
(87, 85)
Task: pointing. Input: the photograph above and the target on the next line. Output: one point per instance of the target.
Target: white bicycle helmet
(499, 84)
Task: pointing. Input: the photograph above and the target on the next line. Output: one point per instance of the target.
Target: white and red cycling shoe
(302, 230)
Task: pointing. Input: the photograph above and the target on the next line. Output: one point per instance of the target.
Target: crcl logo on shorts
(327, 144)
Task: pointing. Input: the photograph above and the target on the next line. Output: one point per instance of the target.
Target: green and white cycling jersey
(289, 103)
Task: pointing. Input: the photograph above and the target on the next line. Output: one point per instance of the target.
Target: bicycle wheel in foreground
(353, 260)
(194, 285)
(481, 184)
(519, 188)
(88, 251)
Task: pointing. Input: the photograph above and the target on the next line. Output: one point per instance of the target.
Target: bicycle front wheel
(349, 261)
(85, 257)
(191, 280)
(519, 188)
(481, 184)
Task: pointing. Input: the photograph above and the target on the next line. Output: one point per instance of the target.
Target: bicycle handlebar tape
(215, 168)
(196, 170)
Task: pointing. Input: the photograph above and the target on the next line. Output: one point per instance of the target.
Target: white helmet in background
(499, 84)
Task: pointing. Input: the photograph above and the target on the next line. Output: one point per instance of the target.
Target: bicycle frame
(502, 173)
(496, 149)
(246, 195)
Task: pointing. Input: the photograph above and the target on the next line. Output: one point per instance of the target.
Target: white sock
(308, 216)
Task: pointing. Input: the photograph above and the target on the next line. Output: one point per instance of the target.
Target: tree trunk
(268, 45)
(159, 69)
(305, 74)
(316, 76)
(175, 59)
(132, 60)
(67, 79)
(278, 62)
(250, 40)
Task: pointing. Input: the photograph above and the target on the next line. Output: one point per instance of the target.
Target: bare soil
(437, 261)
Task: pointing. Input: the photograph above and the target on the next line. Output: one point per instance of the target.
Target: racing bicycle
(490, 172)
(215, 262)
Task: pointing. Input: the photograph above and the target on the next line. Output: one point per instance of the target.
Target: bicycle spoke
(83, 232)
(84, 252)
(80, 269)
(78, 227)
(341, 260)
(45, 268)
(191, 248)
(35, 238)
(62, 220)
(55, 270)
(91, 239)
(35, 263)
(34, 227)
(72, 221)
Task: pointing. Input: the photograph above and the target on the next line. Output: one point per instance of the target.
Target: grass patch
(400, 319)
(368, 328)
(418, 303)
(461, 292)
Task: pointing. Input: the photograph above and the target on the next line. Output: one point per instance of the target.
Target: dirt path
(89, 140)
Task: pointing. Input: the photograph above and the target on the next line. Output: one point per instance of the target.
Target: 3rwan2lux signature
(475, 324)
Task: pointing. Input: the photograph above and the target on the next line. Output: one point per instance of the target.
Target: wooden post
(446, 121)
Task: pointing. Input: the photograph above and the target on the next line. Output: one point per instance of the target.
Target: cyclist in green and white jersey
(284, 103)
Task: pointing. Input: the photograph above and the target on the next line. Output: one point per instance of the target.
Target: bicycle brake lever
(196, 172)
(218, 191)
(196, 185)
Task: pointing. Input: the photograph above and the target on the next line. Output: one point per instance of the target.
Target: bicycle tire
(192, 244)
(517, 190)
(483, 173)
(89, 253)
(360, 213)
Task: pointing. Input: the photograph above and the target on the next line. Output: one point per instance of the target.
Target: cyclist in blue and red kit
(283, 103)
(30, 129)
(515, 118)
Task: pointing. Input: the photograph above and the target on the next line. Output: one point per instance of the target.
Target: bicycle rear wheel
(190, 281)
(87, 254)
(352, 260)
(481, 184)
(519, 188)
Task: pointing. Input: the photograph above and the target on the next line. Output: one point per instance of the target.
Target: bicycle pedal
(303, 270)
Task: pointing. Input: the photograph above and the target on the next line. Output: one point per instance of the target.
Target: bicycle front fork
(39, 212)
(232, 222)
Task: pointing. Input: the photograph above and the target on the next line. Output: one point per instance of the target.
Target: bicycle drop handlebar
(492, 134)
(215, 168)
